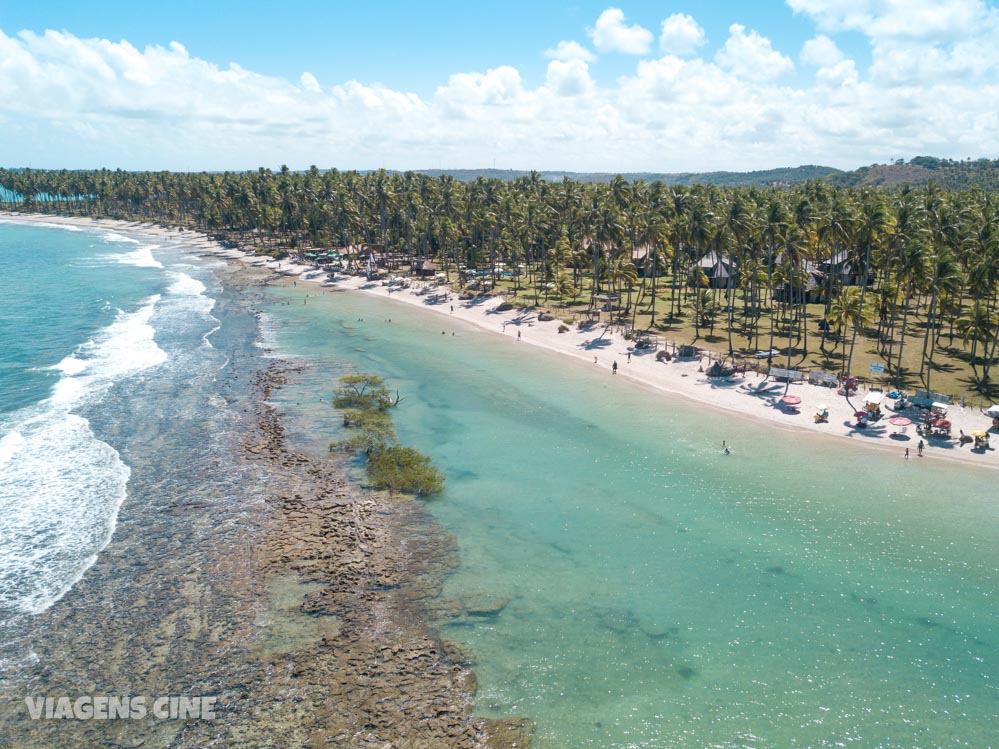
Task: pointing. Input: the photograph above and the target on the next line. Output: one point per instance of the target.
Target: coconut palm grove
(838, 278)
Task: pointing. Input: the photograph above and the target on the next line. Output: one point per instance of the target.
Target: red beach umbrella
(900, 421)
(859, 414)
(943, 423)
(791, 400)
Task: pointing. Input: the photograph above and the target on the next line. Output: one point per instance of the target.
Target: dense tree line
(925, 253)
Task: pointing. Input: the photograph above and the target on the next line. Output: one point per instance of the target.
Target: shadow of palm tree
(595, 343)
(938, 441)
(869, 431)
(760, 391)
(722, 382)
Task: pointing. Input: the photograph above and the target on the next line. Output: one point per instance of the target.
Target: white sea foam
(71, 365)
(141, 257)
(46, 224)
(116, 237)
(268, 341)
(188, 294)
(184, 285)
(60, 486)
(10, 444)
(59, 499)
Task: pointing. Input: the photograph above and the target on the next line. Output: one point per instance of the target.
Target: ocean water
(87, 319)
(800, 592)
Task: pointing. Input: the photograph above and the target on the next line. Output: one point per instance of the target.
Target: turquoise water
(799, 592)
(86, 317)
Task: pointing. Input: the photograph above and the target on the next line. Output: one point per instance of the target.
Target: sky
(586, 86)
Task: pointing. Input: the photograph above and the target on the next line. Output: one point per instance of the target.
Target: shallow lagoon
(798, 592)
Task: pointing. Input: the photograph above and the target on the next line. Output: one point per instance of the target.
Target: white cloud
(821, 52)
(309, 83)
(681, 35)
(569, 77)
(568, 50)
(917, 19)
(843, 73)
(611, 34)
(67, 101)
(916, 42)
(752, 56)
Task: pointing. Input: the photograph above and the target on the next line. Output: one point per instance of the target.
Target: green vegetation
(363, 393)
(404, 469)
(924, 170)
(763, 178)
(365, 402)
(737, 270)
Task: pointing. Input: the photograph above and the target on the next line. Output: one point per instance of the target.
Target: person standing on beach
(518, 335)
(629, 357)
(907, 453)
(614, 368)
(919, 448)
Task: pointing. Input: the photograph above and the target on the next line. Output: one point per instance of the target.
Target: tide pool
(798, 592)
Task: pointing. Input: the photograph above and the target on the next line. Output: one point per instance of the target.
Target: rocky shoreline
(368, 562)
(262, 576)
(372, 566)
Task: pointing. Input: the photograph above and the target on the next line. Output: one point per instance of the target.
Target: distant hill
(765, 178)
(949, 174)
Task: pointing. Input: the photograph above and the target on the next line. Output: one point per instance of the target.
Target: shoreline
(302, 589)
(750, 395)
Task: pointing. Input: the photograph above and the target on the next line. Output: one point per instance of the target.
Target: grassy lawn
(951, 374)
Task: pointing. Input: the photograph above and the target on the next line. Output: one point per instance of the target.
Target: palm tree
(702, 306)
(848, 308)
(873, 221)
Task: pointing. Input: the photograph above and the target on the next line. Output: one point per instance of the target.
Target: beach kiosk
(872, 404)
(938, 410)
(993, 413)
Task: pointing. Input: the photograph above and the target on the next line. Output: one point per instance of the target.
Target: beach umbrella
(942, 423)
(791, 400)
(859, 414)
(900, 421)
(979, 434)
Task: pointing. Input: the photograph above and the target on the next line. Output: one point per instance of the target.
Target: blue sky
(404, 45)
(580, 86)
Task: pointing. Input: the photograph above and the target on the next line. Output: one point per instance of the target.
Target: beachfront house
(842, 268)
(720, 270)
(424, 268)
(641, 258)
(811, 293)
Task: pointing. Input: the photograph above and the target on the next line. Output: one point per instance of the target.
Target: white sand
(751, 395)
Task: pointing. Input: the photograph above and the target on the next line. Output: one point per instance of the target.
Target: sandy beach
(749, 395)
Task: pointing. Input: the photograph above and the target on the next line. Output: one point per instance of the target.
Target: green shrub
(365, 402)
(404, 469)
(504, 306)
(563, 328)
(362, 392)
(374, 431)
